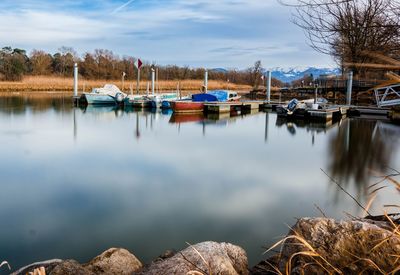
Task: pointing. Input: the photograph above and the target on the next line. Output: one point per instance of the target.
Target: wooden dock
(358, 111)
(329, 113)
(236, 106)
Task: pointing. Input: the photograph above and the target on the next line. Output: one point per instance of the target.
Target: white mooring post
(76, 80)
(138, 81)
(349, 88)
(206, 81)
(153, 79)
(123, 81)
(269, 77)
(316, 94)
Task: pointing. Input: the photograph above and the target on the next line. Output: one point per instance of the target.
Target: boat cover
(212, 96)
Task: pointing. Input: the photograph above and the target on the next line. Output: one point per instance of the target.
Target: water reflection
(186, 118)
(360, 148)
(127, 173)
(312, 127)
(17, 103)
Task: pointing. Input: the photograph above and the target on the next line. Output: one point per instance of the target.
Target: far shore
(62, 84)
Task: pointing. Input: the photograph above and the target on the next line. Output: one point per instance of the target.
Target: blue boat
(215, 96)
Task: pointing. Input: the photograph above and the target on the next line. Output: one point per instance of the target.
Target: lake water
(75, 182)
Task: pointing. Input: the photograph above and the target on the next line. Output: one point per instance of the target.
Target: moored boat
(137, 101)
(187, 106)
(108, 95)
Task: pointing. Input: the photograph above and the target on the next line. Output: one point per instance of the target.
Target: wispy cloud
(122, 6)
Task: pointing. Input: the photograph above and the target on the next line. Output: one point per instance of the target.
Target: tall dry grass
(53, 83)
(364, 249)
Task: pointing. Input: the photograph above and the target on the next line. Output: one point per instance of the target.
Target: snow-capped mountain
(291, 74)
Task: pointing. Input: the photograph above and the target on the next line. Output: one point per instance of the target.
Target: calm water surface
(75, 182)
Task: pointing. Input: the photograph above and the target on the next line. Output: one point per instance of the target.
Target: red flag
(138, 63)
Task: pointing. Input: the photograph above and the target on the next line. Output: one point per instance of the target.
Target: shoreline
(312, 246)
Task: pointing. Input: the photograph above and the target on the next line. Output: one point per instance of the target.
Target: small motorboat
(187, 106)
(108, 95)
(137, 101)
(293, 105)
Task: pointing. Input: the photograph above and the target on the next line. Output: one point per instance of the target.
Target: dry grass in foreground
(367, 250)
(52, 83)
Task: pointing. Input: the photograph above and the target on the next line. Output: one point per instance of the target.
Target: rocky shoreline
(313, 246)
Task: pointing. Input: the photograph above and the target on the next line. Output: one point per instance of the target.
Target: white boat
(109, 94)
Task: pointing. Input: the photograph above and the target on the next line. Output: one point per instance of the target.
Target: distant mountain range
(291, 74)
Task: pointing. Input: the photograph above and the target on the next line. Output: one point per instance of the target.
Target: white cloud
(175, 31)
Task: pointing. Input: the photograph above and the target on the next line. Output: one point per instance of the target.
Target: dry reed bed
(48, 83)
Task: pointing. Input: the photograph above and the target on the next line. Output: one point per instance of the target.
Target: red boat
(186, 106)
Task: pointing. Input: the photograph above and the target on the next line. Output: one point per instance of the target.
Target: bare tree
(346, 29)
(40, 62)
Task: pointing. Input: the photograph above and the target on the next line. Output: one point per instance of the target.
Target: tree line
(104, 64)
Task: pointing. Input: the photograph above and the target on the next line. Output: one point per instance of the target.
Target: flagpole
(138, 80)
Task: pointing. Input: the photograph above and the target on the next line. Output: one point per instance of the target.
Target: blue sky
(198, 33)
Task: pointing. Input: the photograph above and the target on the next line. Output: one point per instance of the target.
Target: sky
(196, 33)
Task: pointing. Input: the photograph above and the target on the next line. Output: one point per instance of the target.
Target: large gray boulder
(319, 245)
(202, 258)
(114, 261)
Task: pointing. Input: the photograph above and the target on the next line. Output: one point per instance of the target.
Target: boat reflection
(313, 127)
(186, 118)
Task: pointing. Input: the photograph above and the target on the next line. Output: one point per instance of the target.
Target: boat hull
(98, 99)
(155, 104)
(187, 106)
(138, 103)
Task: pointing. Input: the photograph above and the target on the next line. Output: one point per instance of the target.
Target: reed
(368, 253)
(53, 83)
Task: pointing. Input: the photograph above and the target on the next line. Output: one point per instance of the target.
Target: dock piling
(349, 88)
(76, 80)
(269, 86)
(316, 94)
(138, 80)
(205, 81)
(153, 78)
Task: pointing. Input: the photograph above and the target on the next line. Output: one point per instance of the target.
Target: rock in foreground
(114, 261)
(203, 258)
(349, 247)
